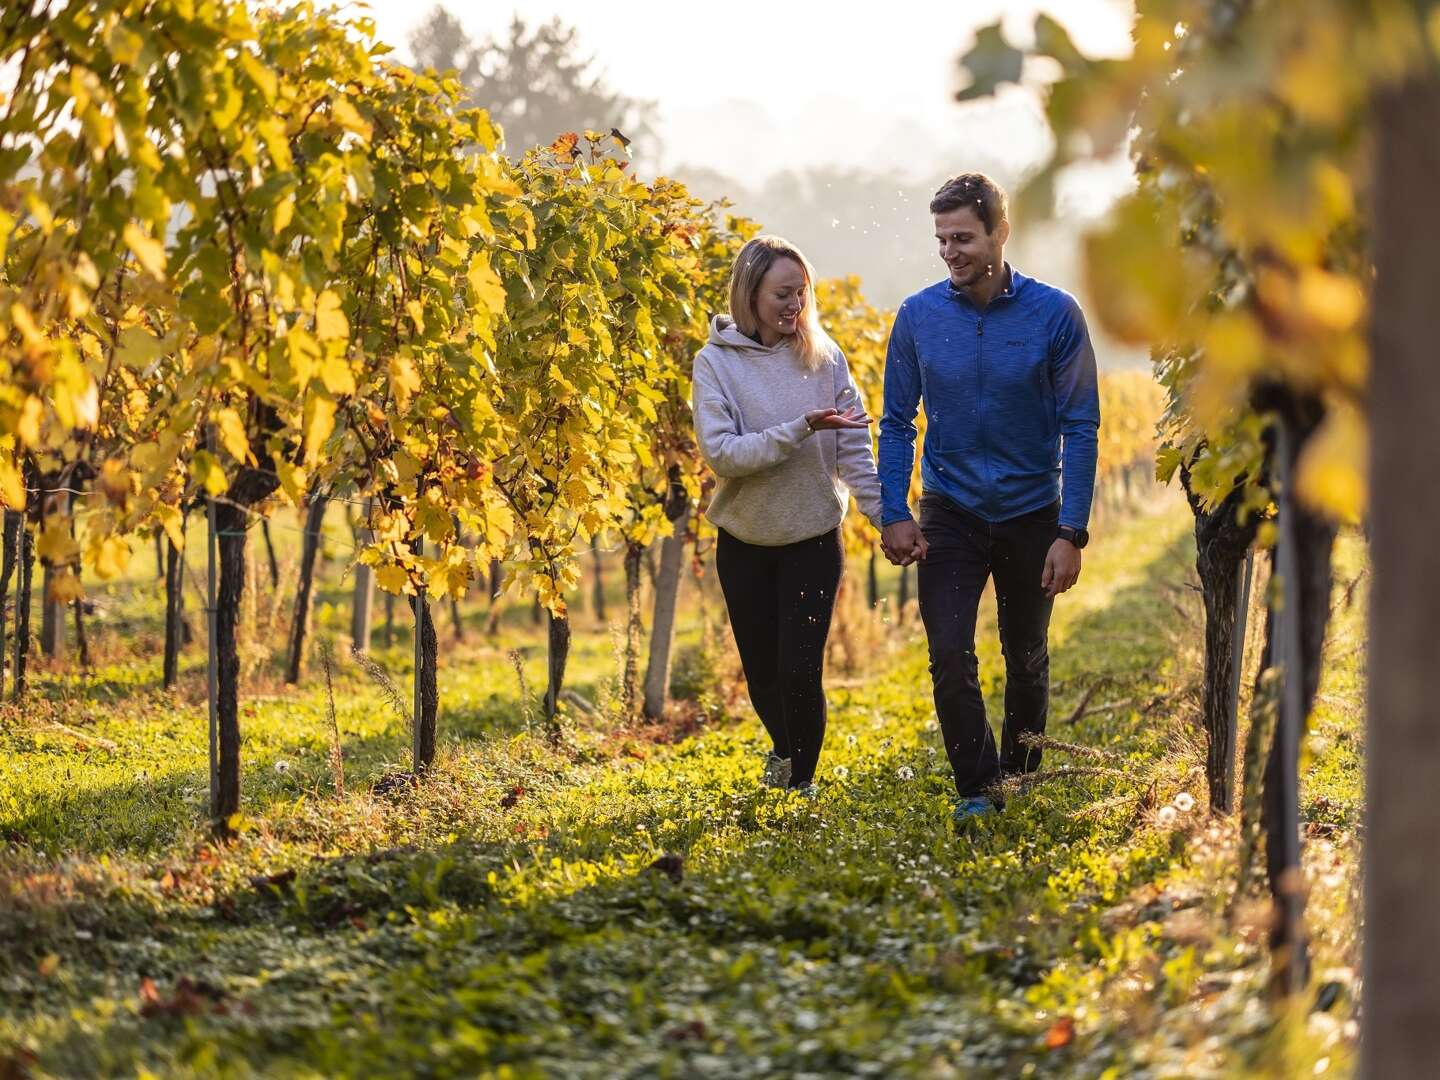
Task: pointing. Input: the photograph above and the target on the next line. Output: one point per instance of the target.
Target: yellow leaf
(172, 522)
(346, 115)
(206, 472)
(1330, 300)
(488, 290)
(319, 423)
(149, 252)
(330, 321)
(293, 480)
(232, 435)
(137, 347)
(65, 587)
(261, 75)
(272, 131)
(116, 481)
(404, 379)
(108, 555)
(27, 427)
(393, 579)
(416, 311)
(303, 351)
(1330, 475)
(283, 214)
(55, 545)
(335, 373)
(433, 520)
(12, 485)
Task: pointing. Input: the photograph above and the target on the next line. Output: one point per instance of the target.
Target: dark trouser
(780, 600)
(964, 551)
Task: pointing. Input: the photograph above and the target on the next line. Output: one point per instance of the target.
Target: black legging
(780, 600)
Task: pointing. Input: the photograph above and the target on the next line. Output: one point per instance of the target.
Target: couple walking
(1005, 369)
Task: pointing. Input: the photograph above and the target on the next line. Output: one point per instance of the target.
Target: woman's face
(781, 298)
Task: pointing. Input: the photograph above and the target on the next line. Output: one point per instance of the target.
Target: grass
(633, 904)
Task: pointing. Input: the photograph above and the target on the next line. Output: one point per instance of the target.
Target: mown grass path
(630, 908)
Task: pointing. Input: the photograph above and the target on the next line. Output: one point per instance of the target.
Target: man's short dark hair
(975, 190)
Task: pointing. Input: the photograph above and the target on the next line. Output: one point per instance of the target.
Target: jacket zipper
(980, 400)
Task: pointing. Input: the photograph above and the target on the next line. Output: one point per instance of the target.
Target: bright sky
(824, 78)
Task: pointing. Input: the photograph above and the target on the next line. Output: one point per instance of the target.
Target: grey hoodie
(779, 482)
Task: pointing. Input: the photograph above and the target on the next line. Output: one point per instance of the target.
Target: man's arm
(1077, 408)
(897, 421)
(901, 538)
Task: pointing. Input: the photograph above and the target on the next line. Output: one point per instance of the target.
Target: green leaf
(991, 62)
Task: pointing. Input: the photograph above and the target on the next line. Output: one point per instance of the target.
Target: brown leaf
(279, 882)
(149, 995)
(1061, 1033)
(565, 145)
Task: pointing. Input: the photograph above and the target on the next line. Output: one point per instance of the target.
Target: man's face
(969, 252)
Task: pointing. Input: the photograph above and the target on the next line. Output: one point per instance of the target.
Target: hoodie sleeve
(717, 430)
(854, 456)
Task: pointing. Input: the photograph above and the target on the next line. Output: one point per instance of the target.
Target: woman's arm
(854, 456)
(717, 430)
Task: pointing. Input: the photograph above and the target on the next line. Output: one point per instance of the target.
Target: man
(1006, 371)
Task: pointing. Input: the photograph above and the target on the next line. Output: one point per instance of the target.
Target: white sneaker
(777, 771)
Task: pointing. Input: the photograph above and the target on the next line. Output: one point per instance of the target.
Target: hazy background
(831, 126)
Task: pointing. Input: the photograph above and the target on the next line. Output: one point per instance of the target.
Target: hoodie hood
(724, 332)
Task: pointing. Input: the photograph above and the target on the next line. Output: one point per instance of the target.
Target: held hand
(903, 543)
(834, 419)
(1062, 568)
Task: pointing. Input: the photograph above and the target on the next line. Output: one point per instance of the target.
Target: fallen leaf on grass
(1061, 1034)
(279, 881)
(693, 1031)
(191, 997)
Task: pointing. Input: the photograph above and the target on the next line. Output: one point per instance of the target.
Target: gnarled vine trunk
(300, 619)
(1221, 541)
(231, 519)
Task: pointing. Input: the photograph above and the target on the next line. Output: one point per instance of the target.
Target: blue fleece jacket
(1004, 391)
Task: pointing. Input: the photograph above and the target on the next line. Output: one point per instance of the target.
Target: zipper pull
(979, 326)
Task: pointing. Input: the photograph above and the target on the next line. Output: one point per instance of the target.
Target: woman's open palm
(834, 419)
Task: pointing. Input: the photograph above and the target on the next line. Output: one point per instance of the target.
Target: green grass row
(631, 906)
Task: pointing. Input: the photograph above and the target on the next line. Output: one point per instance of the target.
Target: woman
(781, 423)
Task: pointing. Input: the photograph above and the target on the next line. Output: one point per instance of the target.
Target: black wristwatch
(1078, 537)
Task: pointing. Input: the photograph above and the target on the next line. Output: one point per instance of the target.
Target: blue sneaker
(973, 808)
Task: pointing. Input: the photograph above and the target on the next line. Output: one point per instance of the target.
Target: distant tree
(534, 80)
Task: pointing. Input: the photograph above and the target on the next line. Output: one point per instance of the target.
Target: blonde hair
(755, 259)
